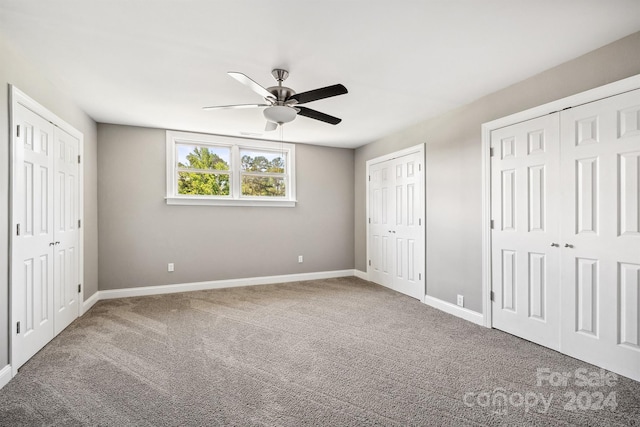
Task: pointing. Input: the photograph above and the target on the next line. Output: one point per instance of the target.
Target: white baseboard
(90, 302)
(5, 375)
(458, 311)
(361, 274)
(219, 284)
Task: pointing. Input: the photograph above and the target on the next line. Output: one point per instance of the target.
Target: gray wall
(15, 70)
(140, 233)
(453, 165)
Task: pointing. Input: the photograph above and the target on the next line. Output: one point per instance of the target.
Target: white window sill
(201, 201)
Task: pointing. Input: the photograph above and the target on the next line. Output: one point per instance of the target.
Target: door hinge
(369, 177)
(17, 229)
(369, 220)
(419, 221)
(18, 328)
(79, 288)
(369, 263)
(491, 152)
(492, 296)
(419, 276)
(78, 158)
(18, 131)
(492, 224)
(419, 167)
(79, 223)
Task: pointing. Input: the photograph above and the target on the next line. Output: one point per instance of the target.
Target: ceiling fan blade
(270, 126)
(222, 107)
(316, 94)
(313, 114)
(251, 84)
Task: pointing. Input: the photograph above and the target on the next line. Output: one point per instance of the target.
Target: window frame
(235, 198)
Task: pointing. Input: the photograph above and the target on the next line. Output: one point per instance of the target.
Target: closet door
(396, 229)
(525, 194)
(601, 233)
(32, 212)
(382, 206)
(66, 266)
(406, 230)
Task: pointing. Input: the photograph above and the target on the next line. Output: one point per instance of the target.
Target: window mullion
(235, 172)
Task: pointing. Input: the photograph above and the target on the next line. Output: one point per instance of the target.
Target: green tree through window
(203, 180)
(255, 178)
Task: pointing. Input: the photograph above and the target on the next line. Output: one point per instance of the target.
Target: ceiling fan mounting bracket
(280, 75)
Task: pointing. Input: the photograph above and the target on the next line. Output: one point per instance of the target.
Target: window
(216, 170)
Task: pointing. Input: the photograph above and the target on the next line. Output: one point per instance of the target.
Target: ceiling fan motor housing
(282, 93)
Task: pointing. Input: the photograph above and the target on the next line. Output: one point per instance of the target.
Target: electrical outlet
(170, 267)
(460, 300)
(300, 259)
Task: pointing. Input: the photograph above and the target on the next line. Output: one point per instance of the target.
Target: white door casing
(601, 233)
(525, 249)
(395, 208)
(46, 260)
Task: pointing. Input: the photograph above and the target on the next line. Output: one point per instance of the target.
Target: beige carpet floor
(337, 352)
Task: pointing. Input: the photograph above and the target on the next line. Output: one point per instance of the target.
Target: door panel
(31, 265)
(66, 280)
(600, 162)
(381, 206)
(525, 265)
(407, 229)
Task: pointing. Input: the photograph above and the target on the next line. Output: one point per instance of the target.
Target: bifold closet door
(396, 233)
(32, 246)
(525, 248)
(601, 233)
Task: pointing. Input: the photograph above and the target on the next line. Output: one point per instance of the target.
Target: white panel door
(32, 209)
(601, 233)
(406, 228)
(381, 206)
(525, 213)
(66, 266)
(396, 233)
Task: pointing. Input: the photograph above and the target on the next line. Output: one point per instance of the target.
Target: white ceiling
(157, 62)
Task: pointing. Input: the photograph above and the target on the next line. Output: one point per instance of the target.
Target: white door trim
(420, 148)
(17, 97)
(615, 88)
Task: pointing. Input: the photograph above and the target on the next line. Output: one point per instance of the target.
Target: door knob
(555, 245)
(566, 245)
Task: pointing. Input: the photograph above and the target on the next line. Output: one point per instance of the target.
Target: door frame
(18, 97)
(420, 148)
(611, 89)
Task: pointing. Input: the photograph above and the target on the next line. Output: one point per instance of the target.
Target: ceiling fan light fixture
(279, 114)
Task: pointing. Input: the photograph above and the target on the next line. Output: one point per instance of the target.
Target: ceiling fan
(283, 103)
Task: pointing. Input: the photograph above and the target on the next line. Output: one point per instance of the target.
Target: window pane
(206, 184)
(202, 157)
(263, 161)
(265, 186)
